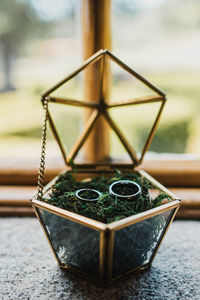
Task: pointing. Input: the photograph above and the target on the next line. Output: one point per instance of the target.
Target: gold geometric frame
(107, 232)
(102, 107)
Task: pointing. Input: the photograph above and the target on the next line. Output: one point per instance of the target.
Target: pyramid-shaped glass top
(103, 108)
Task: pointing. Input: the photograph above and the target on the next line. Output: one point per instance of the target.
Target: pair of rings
(116, 189)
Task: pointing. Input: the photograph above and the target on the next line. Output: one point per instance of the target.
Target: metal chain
(42, 158)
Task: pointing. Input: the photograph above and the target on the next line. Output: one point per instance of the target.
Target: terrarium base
(118, 249)
(103, 283)
(107, 208)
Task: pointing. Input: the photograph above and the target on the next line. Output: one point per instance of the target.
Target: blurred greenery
(170, 138)
(164, 43)
(22, 21)
(18, 24)
(173, 133)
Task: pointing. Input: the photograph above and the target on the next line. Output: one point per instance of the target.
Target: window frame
(18, 183)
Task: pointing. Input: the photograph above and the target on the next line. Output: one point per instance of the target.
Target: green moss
(107, 209)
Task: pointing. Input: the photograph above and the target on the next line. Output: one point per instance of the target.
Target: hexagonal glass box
(98, 251)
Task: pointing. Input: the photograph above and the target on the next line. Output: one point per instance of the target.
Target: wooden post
(96, 35)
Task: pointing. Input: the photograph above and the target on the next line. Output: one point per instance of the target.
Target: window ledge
(171, 173)
(15, 201)
(18, 180)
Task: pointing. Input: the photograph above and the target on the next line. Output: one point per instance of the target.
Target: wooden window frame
(18, 180)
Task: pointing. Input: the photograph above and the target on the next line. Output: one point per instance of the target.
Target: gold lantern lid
(101, 109)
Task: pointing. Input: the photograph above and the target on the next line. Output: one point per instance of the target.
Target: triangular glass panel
(52, 155)
(124, 85)
(73, 87)
(139, 251)
(68, 124)
(117, 150)
(72, 242)
(113, 150)
(136, 122)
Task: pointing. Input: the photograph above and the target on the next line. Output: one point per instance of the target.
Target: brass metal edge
(117, 224)
(73, 102)
(102, 255)
(110, 239)
(90, 60)
(46, 234)
(82, 138)
(141, 100)
(102, 107)
(71, 216)
(101, 167)
(163, 236)
(71, 268)
(143, 215)
(130, 150)
(56, 136)
(152, 131)
(134, 73)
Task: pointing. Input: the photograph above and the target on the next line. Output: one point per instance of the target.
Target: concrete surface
(28, 269)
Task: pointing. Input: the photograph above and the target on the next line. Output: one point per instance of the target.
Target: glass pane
(116, 150)
(136, 121)
(135, 245)
(68, 121)
(72, 89)
(125, 86)
(74, 244)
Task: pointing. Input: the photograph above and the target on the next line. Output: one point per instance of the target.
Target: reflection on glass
(135, 245)
(67, 119)
(74, 244)
(135, 121)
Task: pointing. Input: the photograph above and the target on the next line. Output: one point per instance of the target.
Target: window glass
(160, 40)
(40, 45)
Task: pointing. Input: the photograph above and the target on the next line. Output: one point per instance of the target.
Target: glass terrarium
(102, 251)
